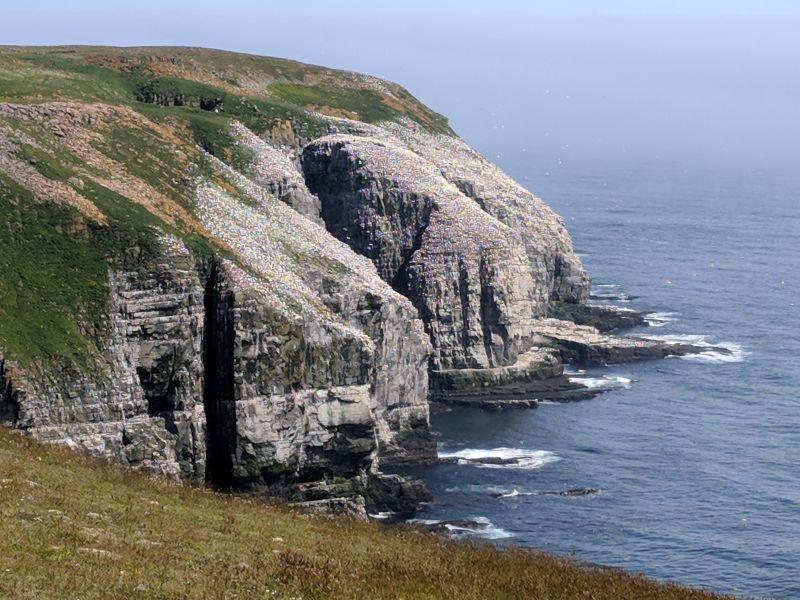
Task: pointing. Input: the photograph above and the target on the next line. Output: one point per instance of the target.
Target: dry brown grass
(76, 527)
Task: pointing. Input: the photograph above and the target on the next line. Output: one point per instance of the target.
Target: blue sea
(697, 460)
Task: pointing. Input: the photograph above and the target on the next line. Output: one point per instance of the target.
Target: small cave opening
(218, 392)
(9, 407)
(159, 394)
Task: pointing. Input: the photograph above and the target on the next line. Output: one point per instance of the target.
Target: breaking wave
(476, 527)
(735, 352)
(473, 488)
(659, 319)
(573, 493)
(503, 458)
(486, 529)
(602, 382)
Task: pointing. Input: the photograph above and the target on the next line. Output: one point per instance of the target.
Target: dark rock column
(9, 404)
(218, 393)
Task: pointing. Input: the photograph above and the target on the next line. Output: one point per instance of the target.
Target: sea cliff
(258, 274)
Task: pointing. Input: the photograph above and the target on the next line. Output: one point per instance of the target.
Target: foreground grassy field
(74, 527)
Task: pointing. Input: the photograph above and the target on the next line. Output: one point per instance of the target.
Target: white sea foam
(605, 382)
(697, 340)
(568, 370)
(380, 516)
(514, 493)
(517, 458)
(659, 319)
(476, 488)
(736, 353)
(621, 297)
(571, 494)
(486, 530)
(423, 521)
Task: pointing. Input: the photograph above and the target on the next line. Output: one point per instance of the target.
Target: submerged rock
(571, 493)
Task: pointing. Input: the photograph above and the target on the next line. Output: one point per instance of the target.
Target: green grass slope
(258, 88)
(75, 527)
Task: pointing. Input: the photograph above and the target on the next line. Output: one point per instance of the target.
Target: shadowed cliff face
(218, 399)
(9, 403)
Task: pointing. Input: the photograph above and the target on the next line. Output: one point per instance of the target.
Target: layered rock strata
(284, 365)
(140, 401)
(464, 270)
(485, 262)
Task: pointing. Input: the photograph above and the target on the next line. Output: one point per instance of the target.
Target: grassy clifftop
(75, 527)
(101, 150)
(262, 88)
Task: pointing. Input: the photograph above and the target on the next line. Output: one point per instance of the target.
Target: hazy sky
(694, 82)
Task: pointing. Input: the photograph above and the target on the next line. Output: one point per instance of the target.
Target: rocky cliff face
(479, 256)
(140, 400)
(256, 292)
(548, 245)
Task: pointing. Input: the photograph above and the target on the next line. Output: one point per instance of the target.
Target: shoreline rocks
(538, 375)
(605, 319)
(586, 346)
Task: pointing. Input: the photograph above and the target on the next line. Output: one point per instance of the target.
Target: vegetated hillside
(76, 527)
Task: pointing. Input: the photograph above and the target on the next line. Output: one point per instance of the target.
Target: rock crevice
(218, 390)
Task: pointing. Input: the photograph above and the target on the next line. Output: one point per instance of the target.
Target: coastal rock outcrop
(464, 270)
(585, 345)
(276, 362)
(318, 340)
(556, 268)
(547, 243)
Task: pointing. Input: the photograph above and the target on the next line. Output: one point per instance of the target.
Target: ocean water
(697, 460)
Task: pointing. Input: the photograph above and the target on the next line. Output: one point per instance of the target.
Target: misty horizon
(555, 91)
